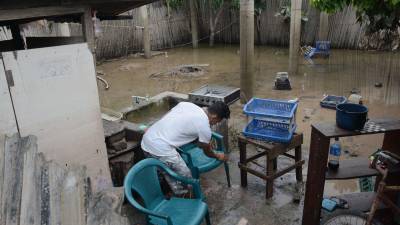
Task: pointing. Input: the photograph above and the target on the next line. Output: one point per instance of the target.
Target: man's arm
(208, 151)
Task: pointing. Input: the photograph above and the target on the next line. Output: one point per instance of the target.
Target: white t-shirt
(181, 125)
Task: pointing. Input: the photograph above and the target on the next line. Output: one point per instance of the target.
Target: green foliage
(285, 13)
(259, 5)
(175, 4)
(376, 14)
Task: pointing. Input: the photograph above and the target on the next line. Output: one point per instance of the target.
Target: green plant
(285, 13)
(174, 4)
(376, 14)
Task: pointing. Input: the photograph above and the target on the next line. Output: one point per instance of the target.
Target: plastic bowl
(351, 116)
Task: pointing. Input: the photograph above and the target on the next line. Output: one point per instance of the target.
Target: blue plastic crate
(269, 131)
(258, 107)
(331, 101)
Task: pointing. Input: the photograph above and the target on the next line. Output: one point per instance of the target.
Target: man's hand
(221, 157)
(208, 151)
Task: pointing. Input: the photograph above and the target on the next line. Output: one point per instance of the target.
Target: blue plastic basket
(258, 107)
(269, 131)
(331, 101)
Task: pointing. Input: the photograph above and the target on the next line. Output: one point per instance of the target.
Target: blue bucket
(351, 116)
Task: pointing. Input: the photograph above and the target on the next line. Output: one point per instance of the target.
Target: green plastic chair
(199, 163)
(142, 179)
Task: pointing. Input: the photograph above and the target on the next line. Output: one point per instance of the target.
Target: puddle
(148, 114)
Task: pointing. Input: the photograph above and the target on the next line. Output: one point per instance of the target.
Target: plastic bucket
(351, 116)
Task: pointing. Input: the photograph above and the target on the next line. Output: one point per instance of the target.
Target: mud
(344, 71)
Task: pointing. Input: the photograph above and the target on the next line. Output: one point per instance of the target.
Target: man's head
(217, 112)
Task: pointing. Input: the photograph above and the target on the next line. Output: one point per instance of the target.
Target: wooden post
(246, 49)
(88, 32)
(269, 189)
(295, 33)
(193, 23)
(146, 34)
(88, 29)
(319, 148)
(242, 161)
(16, 35)
(299, 169)
(323, 26)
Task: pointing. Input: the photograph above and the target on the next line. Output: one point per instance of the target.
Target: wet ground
(344, 71)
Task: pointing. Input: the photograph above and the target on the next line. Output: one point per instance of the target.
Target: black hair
(220, 109)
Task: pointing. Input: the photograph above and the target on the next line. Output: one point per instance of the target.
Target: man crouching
(183, 124)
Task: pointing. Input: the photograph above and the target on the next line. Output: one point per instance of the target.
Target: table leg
(297, 158)
(242, 160)
(270, 172)
(315, 178)
(275, 163)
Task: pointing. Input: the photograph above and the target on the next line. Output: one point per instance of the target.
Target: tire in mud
(347, 217)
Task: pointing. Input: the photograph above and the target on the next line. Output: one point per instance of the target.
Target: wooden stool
(272, 151)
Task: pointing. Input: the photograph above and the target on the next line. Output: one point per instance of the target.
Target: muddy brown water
(343, 71)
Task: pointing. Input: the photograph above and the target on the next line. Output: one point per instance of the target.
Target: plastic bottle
(334, 155)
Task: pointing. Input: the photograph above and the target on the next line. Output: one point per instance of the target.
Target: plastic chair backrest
(220, 142)
(144, 181)
(323, 45)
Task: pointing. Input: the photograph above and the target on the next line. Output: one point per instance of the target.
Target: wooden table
(321, 134)
(271, 151)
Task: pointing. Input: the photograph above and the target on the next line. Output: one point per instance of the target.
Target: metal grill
(209, 94)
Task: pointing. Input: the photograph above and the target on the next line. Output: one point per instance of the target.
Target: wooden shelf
(330, 130)
(350, 169)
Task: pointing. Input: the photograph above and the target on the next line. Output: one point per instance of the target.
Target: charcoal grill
(209, 94)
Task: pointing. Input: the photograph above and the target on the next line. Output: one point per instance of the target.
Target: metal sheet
(55, 98)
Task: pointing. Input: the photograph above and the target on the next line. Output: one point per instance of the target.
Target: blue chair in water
(321, 48)
(199, 163)
(142, 179)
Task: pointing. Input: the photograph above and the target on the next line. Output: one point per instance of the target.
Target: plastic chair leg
(228, 177)
(196, 174)
(208, 221)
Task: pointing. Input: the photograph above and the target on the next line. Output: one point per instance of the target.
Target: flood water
(343, 71)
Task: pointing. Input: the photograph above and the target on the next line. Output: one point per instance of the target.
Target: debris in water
(106, 85)
(378, 84)
(182, 71)
(354, 98)
(355, 91)
(354, 154)
(100, 73)
(282, 81)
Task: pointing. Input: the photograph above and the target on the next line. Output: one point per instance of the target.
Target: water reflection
(343, 71)
(347, 70)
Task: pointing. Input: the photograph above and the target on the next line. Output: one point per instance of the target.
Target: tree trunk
(246, 50)
(295, 35)
(212, 35)
(146, 33)
(193, 23)
(214, 21)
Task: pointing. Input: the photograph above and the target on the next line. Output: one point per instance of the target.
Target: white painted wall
(7, 119)
(55, 98)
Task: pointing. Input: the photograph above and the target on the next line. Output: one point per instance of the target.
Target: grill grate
(209, 94)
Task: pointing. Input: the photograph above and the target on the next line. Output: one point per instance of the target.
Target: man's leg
(178, 165)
